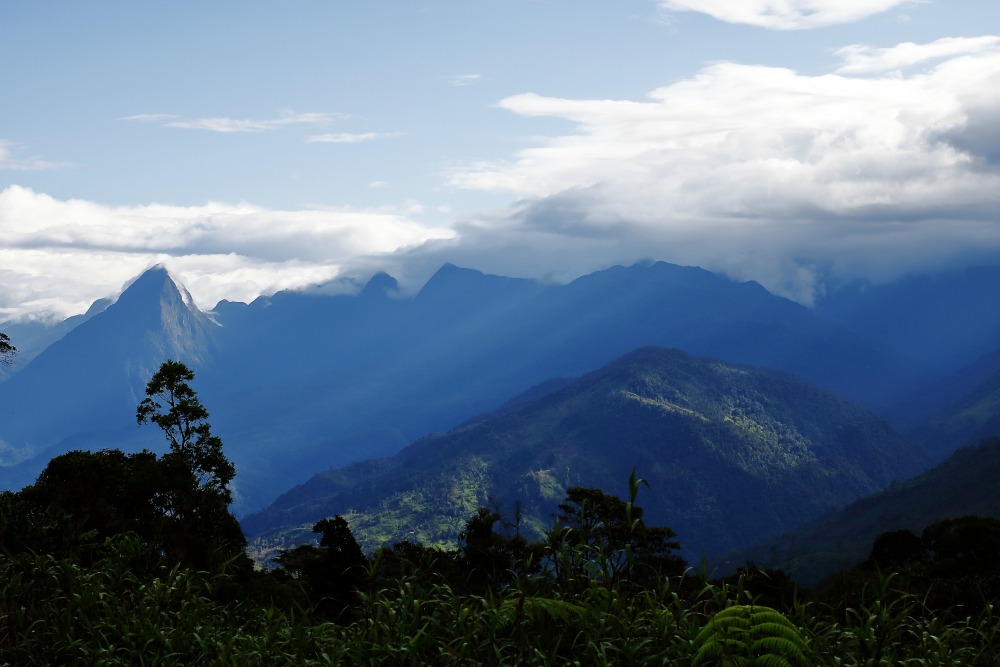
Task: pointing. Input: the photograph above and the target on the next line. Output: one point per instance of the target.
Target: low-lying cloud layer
(62, 255)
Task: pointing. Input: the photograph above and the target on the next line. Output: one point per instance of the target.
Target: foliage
(416, 605)
(194, 502)
(750, 635)
(56, 611)
(331, 572)
(176, 505)
(7, 350)
(601, 538)
(184, 422)
(952, 566)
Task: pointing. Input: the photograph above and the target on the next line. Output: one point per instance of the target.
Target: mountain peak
(453, 285)
(155, 283)
(448, 274)
(380, 285)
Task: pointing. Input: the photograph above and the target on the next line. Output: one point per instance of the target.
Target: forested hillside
(732, 454)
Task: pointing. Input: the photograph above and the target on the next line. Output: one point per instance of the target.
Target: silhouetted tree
(194, 497)
(333, 571)
(896, 548)
(184, 421)
(490, 560)
(597, 534)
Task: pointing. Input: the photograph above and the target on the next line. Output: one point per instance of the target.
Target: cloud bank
(766, 173)
(81, 251)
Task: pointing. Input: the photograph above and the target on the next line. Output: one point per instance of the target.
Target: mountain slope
(946, 319)
(732, 454)
(31, 337)
(963, 484)
(83, 389)
(974, 417)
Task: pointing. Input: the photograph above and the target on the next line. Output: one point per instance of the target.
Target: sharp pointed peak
(156, 279)
(155, 273)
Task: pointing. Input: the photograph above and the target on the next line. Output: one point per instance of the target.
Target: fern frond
(754, 636)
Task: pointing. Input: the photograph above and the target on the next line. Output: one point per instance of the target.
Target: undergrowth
(56, 612)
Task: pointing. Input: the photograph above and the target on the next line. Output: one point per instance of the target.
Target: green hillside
(733, 454)
(972, 418)
(964, 484)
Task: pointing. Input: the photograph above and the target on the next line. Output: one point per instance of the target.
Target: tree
(82, 498)
(7, 351)
(489, 560)
(195, 495)
(184, 422)
(333, 571)
(896, 548)
(601, 537)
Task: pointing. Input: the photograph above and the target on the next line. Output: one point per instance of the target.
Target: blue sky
(256, 146)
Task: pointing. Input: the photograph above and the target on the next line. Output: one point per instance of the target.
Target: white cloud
(462, 79)
(238, 124)
(785, 14)
(762, 171)
(150, 117)
(348, 137)
(864, 59)
(62, 255)
(11, 160)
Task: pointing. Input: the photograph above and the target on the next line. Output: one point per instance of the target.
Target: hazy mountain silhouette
(301, 381)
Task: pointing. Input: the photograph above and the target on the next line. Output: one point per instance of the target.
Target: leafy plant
(750, 635)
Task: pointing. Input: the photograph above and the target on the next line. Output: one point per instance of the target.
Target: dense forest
(121, 559)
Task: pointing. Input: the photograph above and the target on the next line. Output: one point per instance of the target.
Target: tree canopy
(173, 405)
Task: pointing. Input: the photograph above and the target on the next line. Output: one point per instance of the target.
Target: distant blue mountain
(942, 320)
(298, 382)
(33, 336)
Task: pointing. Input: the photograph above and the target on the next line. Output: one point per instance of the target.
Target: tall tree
(173, 405)
(196, 473)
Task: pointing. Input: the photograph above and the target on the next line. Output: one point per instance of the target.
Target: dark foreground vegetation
(133, 559)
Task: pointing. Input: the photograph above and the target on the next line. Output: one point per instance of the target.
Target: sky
(254, 146)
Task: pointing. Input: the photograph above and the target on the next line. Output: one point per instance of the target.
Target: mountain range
(302, 382)
(732, 454)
